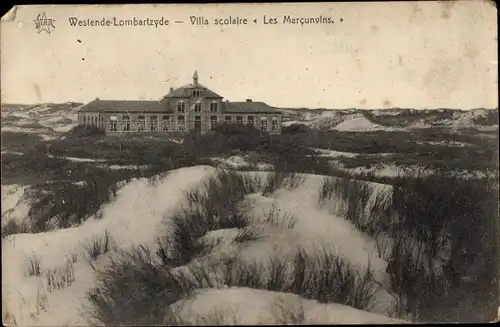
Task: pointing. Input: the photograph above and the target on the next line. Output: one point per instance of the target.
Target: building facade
(190, 107)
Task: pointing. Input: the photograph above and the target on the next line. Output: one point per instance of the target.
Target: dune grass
(34, 265)
(98, 245)
(212, 207)
(136, 288)
(428, 216)
(60, 277)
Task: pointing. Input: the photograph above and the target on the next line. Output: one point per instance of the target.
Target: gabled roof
(124, 106)
(248, 107)
(183, 92)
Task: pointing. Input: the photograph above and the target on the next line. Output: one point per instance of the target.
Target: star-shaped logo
(42, 23)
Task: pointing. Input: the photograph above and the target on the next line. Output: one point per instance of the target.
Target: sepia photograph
(250, 163)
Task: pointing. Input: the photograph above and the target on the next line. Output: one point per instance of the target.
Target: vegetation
(34, 265)
(424, 217)
(99, 245)
(210, 208)
(429, 217)
(60, 277)
(13, 226)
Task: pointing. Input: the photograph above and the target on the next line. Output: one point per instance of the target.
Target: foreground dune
(137, 216)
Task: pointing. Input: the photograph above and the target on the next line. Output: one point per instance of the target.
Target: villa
(189, 107)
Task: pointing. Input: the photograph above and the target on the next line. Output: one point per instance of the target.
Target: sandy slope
(250, 306)
(135, 217)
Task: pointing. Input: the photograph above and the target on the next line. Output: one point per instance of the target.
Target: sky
(381, 55)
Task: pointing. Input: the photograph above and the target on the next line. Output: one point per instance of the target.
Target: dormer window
(197, 107)
(196, 93)
(181, 106)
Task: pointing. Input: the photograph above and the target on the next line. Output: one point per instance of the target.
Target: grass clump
(34, 265)
(213, 207)
(99, 245)
(58, 278)
(282, 179)
(321, 276)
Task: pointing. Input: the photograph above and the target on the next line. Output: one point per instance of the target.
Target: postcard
(250, 163)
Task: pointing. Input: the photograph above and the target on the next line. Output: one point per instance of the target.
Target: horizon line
(278, 107)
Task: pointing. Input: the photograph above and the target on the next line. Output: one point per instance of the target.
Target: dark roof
(124, 106)
(183, 92)
(248, 107)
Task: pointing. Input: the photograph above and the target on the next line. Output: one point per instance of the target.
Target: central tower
(195, 78)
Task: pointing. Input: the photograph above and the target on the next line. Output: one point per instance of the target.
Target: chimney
(249, 100)
(171, 89)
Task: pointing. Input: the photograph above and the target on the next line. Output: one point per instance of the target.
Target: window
(153, 123)
(126, 123)
(197, 123)
(181, 106)
(239, 119)
(112, 124)
(84, 120)
(197, 107)
(228, 119)
(250, 120)
(196, 93)
(263, 123)
(181, 123)
(141, 123)
(213, 121)
(213, 106)
(274, 124)
(165, 123)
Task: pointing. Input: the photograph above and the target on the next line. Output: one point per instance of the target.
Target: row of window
(181, 123)
(181, 106)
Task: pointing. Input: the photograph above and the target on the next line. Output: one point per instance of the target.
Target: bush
(225, 138)
(13, 226)
(63, 205)
(80, 131)
(296, 129)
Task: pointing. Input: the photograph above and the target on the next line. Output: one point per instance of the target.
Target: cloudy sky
(410, 54)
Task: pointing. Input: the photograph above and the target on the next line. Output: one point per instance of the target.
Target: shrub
(225, 138)
(66, 204)
(296, 129)
(13, 226)
(81, 131)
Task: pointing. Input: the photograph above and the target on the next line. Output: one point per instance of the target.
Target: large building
(189, 107)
